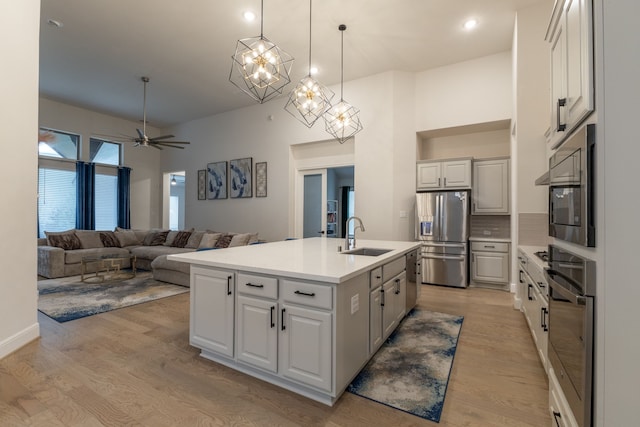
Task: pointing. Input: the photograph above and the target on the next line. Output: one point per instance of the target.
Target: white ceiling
(95, 60)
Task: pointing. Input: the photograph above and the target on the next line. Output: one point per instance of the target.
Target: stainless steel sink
(367, 251)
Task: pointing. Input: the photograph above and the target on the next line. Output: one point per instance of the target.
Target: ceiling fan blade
(161, 137)
(140, 133)
(170, 142)
(155, 144)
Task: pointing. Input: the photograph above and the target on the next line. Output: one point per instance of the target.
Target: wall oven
(572, 189)
(571, 328)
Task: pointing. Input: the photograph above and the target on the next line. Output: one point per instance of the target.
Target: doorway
(174, 200)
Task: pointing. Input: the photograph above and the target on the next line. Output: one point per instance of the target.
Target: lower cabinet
(561, 415)
(490, 262)
(212, 310)
(375, 319)
(388, 306)
(536, 311)
(258, 332)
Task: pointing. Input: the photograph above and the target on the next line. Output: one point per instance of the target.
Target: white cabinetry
(570, 33)
(561, 415)
(387, 301)
(450, 174)
(212, 310)
(491, 187)
(490, 262)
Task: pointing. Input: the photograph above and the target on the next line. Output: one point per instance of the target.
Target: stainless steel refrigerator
(442, 224)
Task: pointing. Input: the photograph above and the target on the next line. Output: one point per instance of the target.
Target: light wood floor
(134, 367)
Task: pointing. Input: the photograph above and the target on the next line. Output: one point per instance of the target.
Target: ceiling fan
(143, 140)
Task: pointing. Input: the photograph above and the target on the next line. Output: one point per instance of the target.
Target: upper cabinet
(570, 34)
(439, 175)
(491, 187)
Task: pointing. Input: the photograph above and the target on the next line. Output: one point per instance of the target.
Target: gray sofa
(61, 254)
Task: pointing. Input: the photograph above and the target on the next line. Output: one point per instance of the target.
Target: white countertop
(489, 239)
(530, 252)
(310, 259)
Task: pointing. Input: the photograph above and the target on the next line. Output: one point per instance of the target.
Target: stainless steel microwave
(572, 189)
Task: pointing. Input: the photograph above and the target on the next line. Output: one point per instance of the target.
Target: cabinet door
(389, 318)
(491, 187)
(375, 320)
(491, 267)
(212, 310)
(257, 332)
(456, 174)
(305, 346)
(579, 60)
(428, 175)
(400, 303)
(558, 82)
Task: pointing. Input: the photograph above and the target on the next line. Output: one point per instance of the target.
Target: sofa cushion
(127, 238)
(89, 239)
(170, 237)
(63, 239)
(140, 234)
(152, 252)
(109, 239)
(209, 240)
(181, 240)
(223, 241)
(162, 262)
(194, 240)
(74, 257)
(243, 239)
(155, 238)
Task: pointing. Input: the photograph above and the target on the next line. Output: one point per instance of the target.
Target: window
(59, 145)
(104, 152)
(106, 198)
(56, 198)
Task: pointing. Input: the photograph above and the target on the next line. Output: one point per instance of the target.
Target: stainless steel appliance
(572, 189)
(571, 328)
(413, 271)
(442, 224)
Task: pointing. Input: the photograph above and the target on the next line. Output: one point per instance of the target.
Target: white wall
(146, 179)
(469, 92)
(19, 121)
(479, 145)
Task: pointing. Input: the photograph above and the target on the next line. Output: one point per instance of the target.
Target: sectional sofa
(60, 254)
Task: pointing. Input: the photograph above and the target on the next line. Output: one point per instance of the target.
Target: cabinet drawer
(376, 278)
(262, 286)
(393, 268)
(307, 294)
(490, 246)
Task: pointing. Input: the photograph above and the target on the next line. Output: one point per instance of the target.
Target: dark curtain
(85, 185)
(124, 197)
(344, 209)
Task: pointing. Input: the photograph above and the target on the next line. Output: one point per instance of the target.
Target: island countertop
(310, 259)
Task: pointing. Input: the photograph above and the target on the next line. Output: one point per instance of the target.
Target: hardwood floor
(134, 367)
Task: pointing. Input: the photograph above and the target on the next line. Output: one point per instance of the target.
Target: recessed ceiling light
(55, 23)
(313, 70)
(249, 16)
(470, 24)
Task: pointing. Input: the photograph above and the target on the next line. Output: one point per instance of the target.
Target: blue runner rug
(411, 370)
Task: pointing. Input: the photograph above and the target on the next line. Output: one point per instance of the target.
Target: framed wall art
(240, 178)
(261, 179)
(202, 184)
(217, 180)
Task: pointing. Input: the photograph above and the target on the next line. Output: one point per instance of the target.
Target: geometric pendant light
(310, 99)
(342, 120)
(259, 67)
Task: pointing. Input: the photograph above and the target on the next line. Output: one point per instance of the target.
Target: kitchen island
(297, 313)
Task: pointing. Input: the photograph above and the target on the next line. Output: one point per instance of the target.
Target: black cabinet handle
(229, 284)
(438, 182)
(397, 286)
(273, 309)
(557, 415)
(489, 246)
(529, 292)
(381, 297)
(545, 315)
(445, 181)
(282, 326)
(306, 294)
(542, 317)
(520, 273)
(561, 103)
(254, 285)
(541, 284)
(378, 277)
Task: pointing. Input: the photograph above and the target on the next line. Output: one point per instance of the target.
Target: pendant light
(310, 99)
(342, 120)
(259, 67)
(173, 180)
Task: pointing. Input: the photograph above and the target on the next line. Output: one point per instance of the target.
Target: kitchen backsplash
(533, 229)
(491, 226)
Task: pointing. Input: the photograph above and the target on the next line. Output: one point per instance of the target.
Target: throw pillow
(127, 238)
(155, 238)
(181, 239)
(89, 239)
(109, 239)
(171, 237)
(140, 234)
(194, 240)
(64, 239)
(209, 240)
(223, 241)
(239, 240)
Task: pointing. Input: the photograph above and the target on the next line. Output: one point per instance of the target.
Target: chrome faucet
(350, 242)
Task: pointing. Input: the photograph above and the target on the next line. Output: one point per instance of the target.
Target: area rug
(69, 298)
(411, 370)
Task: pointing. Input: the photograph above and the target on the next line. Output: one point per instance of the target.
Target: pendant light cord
(310, 7)
(145, 80)
(342, 28)
(261, 18)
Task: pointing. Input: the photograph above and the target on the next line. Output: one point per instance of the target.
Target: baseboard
(20, 339)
